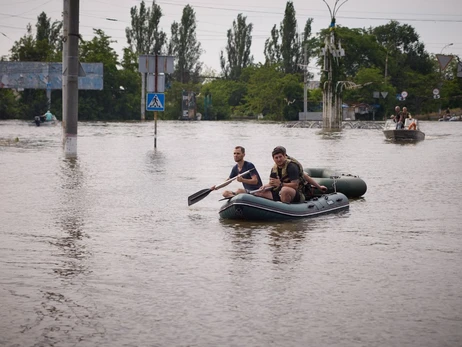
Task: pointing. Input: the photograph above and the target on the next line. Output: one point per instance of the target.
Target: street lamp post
(449, 44)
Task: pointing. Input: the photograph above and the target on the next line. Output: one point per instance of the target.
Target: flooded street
(103, 250)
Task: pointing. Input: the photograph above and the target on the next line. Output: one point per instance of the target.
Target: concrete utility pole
(71, 78)
(332, 100)
(305, 82)
(64, 59)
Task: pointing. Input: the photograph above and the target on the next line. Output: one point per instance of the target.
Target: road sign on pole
(155, 102)
(444, 60)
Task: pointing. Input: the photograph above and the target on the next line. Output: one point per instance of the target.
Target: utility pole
(305, 81)
(64, 59)
(71, 77)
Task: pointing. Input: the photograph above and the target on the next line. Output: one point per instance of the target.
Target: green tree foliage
(309, 45)
(48, 35)
(237, 49)
(185, 46)
(9, 107)
(290, 41)
(403, 51)
(129, 60)
(372, 81)
(272, 48)
(284, 47)
(273, 93)
(144, 36)
(119, 98)
(26, 48)
(43, 47)
(361, 50)
(451, 87)
(227, 95)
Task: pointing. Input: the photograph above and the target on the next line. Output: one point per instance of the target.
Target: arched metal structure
(332, 52)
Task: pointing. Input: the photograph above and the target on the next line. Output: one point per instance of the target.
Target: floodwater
(103, 250)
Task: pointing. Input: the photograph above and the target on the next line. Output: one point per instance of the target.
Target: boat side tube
(250, 207)
(350, 185)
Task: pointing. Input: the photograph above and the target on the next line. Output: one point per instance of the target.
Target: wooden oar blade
(196, 197)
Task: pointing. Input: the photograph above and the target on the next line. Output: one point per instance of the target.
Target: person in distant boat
(447, 116)
(413, 123)
(399, 117)
(48, 116)
(286, 183)
(405, 114)
(397, 114)
(250, 181)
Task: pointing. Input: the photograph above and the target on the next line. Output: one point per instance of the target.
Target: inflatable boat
(250, 207)
(350, 185)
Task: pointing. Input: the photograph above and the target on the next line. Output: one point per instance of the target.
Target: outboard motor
(37, 120)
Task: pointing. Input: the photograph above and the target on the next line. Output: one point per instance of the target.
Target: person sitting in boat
(412, 124)
(286, 180)
(48, 116)
(250, 181)
(397, 114)
(399, 118)
(308, 181)
(405, 114)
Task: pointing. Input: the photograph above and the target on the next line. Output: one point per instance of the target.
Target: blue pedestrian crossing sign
(155, 102)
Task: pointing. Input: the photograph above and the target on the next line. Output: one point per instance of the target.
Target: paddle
(196, 197)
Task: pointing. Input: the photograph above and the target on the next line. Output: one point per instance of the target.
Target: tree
(361, 50)
(120, 97)
(290, 41)
(309, 45)
(184, 45)
(285, 47)
(272, 48)
(227, 95)
(237, 49)
(273, 93)
(25, 48)
(371, 80)
(144, 36)
(403, 49)
(50, 35)
(43, 47)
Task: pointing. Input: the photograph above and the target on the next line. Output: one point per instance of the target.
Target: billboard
(40, 75)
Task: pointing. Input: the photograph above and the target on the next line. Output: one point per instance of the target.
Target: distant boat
(404, 134)
(41, 121)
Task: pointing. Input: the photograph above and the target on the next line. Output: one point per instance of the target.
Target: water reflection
(155, 162)
(283, 240)
(330, 134)
(286, 244)
(71, 220)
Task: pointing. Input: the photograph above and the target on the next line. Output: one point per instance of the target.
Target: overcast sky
(438, 23)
